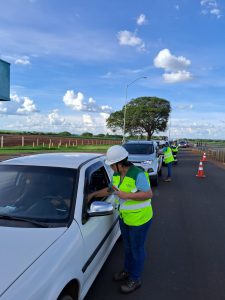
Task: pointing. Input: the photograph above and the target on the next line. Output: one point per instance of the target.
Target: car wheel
(66, 297)
(69, 294)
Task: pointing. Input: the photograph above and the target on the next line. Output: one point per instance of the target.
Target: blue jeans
(134, 248)
(169, 167)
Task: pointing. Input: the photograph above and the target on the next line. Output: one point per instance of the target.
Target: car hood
(20, 247)
(139, 158)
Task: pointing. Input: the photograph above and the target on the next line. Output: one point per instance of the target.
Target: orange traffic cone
(203, 157)
(200, 170)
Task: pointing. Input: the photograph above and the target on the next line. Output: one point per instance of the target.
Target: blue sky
(71, 61)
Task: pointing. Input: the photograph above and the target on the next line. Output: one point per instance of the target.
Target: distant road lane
(186, 245)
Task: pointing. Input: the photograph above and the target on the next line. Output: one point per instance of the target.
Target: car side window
(96, 178)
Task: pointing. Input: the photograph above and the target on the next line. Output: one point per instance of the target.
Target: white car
(53, 243)
(145, 154)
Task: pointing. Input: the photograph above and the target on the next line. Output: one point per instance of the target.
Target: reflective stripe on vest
(135, 206)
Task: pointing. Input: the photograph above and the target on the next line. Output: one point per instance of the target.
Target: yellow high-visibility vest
(133, 212)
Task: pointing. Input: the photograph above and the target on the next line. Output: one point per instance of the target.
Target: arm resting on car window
(99, 194)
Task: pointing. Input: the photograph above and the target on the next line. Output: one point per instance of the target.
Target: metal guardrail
(214, 154)
(218, 155)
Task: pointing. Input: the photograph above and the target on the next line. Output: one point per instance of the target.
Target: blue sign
(4, 80)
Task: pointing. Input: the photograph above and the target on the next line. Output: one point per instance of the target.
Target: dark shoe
(168, 179)
(123, 275)
(130, 285)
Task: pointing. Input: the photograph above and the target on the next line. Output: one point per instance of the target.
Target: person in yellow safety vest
(174, 149)
(133, 192)
(168, 160)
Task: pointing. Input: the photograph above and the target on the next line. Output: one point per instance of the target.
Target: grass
(40, 149)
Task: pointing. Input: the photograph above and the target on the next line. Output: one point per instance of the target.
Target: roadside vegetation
(40, 149)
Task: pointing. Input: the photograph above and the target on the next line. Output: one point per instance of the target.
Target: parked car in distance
(53, 242)
(183, 144)
(145, 154)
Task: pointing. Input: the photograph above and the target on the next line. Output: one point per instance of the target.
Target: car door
(99, 233)
(159, 159)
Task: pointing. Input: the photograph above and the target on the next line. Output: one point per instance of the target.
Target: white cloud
(108, 75)
(141, 20)
(22, 61)
(127, 38)
(18, 106)
(169, 62)
(216, 12)
(76, 102)
(28, 106)
(201, 129)
(105, 115)
(106, 108)
(91, 100)
(2, 109)
(15, 98)
(75, 123)
(55, 119)
(87, 120)
(191, 124)
(174, 66)
(16, 59)
(177, 76)
(211, 7)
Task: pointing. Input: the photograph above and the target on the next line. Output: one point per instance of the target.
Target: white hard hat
(115, 154)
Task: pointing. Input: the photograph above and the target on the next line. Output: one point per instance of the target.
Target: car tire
(67, 294)
(66, 297)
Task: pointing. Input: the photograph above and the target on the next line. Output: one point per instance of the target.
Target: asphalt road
(186, 245)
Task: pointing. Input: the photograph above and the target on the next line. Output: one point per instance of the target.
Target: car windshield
(32, 195)
(140, 149)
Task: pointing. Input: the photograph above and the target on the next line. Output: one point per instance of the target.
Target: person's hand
(122, 195)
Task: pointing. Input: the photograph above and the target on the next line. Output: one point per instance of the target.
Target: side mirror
(99, 208)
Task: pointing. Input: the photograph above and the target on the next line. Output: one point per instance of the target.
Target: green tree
(65, 133)
(100, 135)
(87, 134)
(143, 115)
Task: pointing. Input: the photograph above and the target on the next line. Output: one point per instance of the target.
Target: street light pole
(125, 106)
(170, 122)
